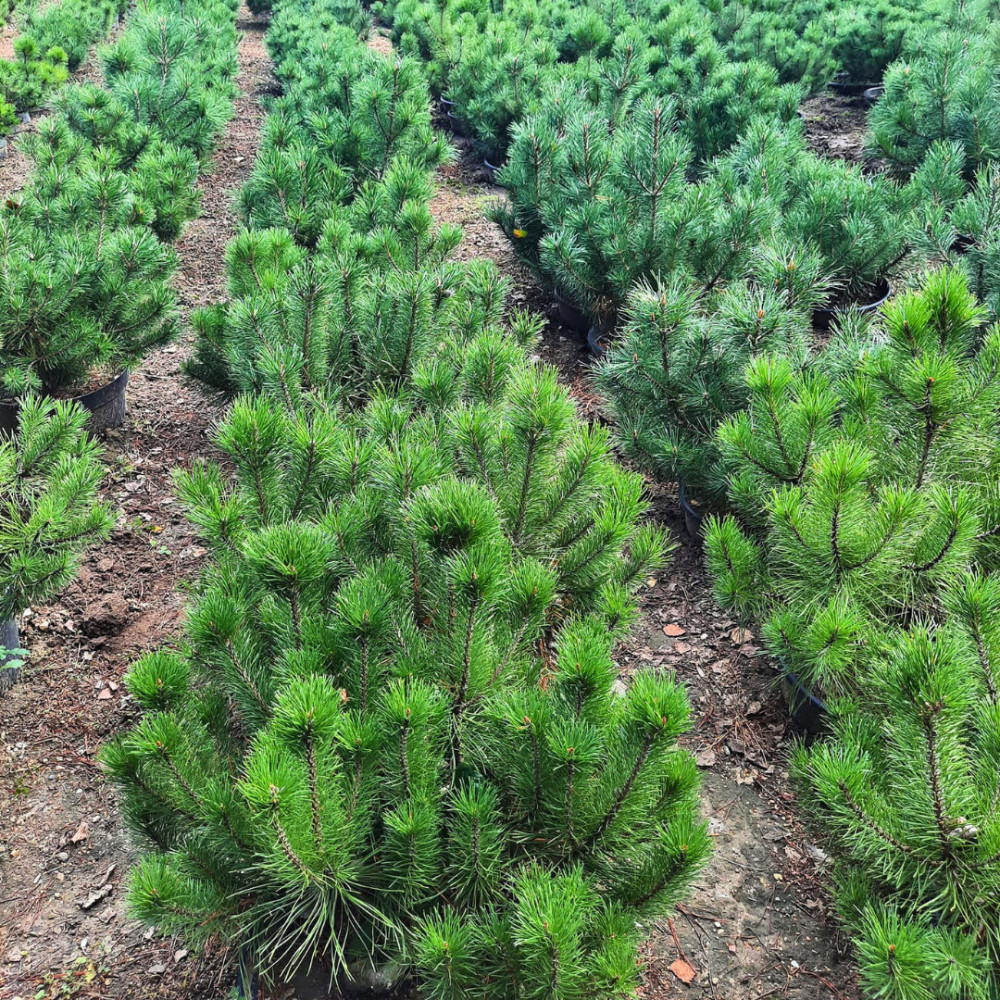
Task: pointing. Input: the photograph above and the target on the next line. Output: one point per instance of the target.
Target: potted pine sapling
(499, 79)
(905, 794)
(334, 132)
(594, 210)
(718, 97)
(50, 513)
(85, 276)
(866, 39)
(81, 305)
(945, 91)
(353, 763)
(974, 230)
(362, 310)
(27, 80)
(677, 370)
(860, 225)
(860, 490)
(798, 47)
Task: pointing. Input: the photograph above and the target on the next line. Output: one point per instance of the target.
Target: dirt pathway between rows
(63, 853)
(758, 923)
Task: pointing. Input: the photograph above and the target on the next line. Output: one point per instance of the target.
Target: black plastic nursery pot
(597, 341)
(877, 297)
(570, 315)
(9, 641)
(851, 88)
(808, 711)
(457, 125)
(105, 404)
(693, 518)
(872, 94)
(491, 172)
(3, 149)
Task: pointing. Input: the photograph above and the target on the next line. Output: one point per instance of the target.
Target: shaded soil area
(835, 126)
(758, 923)
(63, 853)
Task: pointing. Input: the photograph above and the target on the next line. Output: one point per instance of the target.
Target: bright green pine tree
(346, 118)
(369, 750)
(50, 510)
(864, 483)
(907, 793)
(376, 292)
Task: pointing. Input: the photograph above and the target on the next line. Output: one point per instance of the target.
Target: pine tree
(942, 91)
(80, 289)
(369, 752)
(348, 117)
(50, 510)
(871, 478)
(358, 311)
(907, 792)
(677, 370)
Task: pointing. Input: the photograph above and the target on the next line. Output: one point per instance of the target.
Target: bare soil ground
(835, 126)
(758, 923)
(63, 853)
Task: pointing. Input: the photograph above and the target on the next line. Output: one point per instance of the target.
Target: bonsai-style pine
(370, 752)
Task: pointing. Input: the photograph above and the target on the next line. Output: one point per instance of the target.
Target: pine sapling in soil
(50, 509)
(863, 484)
(371, 753)
(906, 793)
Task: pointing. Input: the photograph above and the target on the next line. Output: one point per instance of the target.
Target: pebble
(62, 856)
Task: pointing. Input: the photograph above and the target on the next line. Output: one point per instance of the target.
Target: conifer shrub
(27, 79)
(50, 509)
(84, 271)
(864, 484)
(501, 75)
(378, 290)
(354, 759)
(71, 25)
(677, 370)
(595, 210)
(112, 302)
(905, 791)
(346, 115)
(944, 90)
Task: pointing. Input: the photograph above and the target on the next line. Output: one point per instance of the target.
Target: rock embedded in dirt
(107, 617)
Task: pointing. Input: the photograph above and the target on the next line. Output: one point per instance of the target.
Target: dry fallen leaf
(674, 630)
(105, 695)
(706, 758)
(682, 970)
(741, 635)
(81, 833)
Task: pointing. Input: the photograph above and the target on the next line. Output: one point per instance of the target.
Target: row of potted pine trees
(389, 747)
(85, 270)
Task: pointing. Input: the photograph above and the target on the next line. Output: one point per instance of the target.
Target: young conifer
(872, 481)
(360, 757)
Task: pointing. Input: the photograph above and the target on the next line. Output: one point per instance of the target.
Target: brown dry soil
(758, 922)
(63, 928)
(835, 126)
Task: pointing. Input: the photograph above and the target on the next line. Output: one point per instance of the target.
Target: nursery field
(498, 500)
